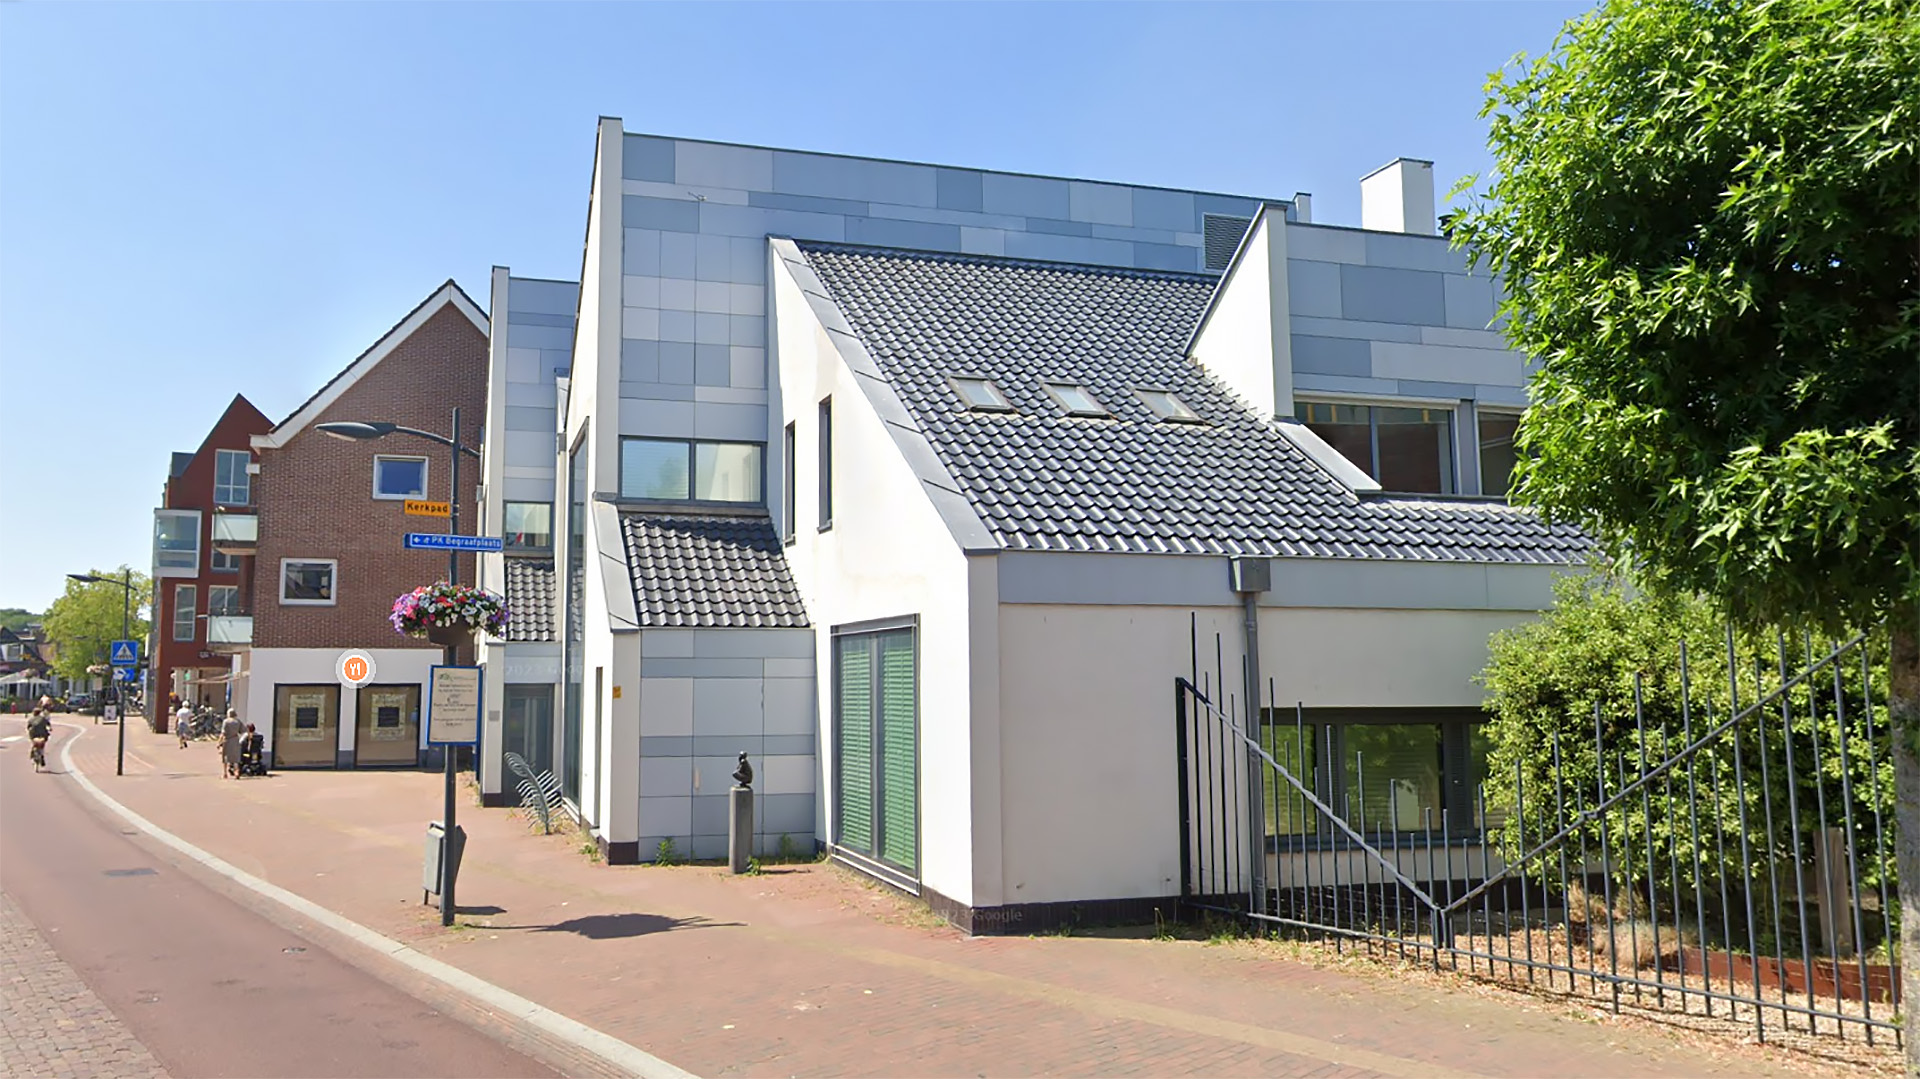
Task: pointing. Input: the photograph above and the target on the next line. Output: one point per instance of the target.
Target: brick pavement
(51, 1024)
(810, 970)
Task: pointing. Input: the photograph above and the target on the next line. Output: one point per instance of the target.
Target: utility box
(438, 847)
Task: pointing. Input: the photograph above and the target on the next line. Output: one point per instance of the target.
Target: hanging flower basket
(449, 614)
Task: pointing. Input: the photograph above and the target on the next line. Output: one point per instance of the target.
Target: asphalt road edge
(627, 1058)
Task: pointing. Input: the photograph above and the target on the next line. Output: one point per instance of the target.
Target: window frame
(213, 610)
(1329, 783)
(426, 482)
(186, 598)
(506, 530)
(180, 567)
(1058, 389)
(1479, 445)
(246, 478)
(213, 563)
(1190, 415)
(826, 464)
(333, 582)
(789, 479)
(999, 403)
(692, 446)
(1373, 405)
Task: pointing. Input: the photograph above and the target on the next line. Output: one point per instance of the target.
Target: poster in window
(389, 716)
(306, 716)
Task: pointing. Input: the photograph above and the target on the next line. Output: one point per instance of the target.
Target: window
(788, 501)
(528, 526)
(876, 733)
(826, 464)
(307, 581)
(222, 562)
(176, 543)
(1497, 453)
(231, 486)
(223, 600)
(1406, 449)
(184, 596)
(1075, 399)
(1168, 407)
(1398, 771)
(981, 395)
(399, 477)
(676, 470)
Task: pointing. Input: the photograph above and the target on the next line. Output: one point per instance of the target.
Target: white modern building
(918, 484)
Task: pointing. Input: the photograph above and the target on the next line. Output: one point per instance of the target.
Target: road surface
(206, 985)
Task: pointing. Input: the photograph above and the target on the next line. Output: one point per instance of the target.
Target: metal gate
(1737, 864)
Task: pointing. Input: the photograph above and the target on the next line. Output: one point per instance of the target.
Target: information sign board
(453, 706)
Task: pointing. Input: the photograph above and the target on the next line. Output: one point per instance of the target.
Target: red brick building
(330, 552)
(200, 592)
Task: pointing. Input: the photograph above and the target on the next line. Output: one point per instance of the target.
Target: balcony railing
(229, 631)
(236, 533)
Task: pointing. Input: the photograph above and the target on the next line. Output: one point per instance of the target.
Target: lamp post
(361, 432)
(126, 627)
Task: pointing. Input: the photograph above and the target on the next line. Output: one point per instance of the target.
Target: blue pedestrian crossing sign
(124, 653)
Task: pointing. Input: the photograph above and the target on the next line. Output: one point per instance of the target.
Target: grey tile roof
(709, 570)
(1041, 480)
(530, 598)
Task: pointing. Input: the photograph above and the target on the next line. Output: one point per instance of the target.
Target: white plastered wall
(1245, 339)
(888, 555)
(1087, 705)
(270, 667)
(488, 652)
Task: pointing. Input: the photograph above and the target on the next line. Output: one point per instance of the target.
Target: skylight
(1075, 399)
(1168, 407)
(981, 395)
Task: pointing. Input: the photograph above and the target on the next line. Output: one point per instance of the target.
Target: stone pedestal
(739, 828)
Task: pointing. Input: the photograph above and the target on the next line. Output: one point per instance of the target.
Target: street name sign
(453, 706)
(437, 541)
(420, 507)
(124, 653)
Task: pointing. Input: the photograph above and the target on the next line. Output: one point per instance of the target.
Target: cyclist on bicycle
(38, 729)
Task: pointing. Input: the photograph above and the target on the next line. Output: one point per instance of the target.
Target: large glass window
(528, 526)
(676, 470)
(222, 562)
(223, 599)
(399, 477)
(230, 479)
(1405, 449)
(176, 542)
(1397, 771)
(1497, 454)
(184, 597)
(307, 581)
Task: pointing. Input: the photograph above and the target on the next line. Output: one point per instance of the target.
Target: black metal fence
(1729, 857)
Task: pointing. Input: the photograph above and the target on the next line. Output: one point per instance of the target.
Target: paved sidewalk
(51, 1024)
(810, 970)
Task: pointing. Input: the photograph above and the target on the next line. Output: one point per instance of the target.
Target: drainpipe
(1250, 577)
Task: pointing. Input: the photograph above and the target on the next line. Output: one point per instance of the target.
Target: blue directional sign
(439, 541)
(128, 674)
(124, 653)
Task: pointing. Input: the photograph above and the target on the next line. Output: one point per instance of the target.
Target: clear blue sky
(204, 199)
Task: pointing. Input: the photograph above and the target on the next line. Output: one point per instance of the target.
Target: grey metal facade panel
(530, 599)
(695, 570)
(1041, 480)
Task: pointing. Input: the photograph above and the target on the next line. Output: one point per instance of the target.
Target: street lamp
(353, 431)
(126, 627)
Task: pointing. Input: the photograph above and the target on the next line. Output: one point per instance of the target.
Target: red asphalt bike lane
(211, 987)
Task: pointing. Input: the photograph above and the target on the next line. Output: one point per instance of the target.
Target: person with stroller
(253, 753)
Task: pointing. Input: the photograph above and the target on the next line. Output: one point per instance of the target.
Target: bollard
(740, 818)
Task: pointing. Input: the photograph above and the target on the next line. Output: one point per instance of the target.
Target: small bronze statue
(743, 775)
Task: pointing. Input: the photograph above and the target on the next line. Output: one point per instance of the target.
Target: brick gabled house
(201, 592)
(330, 542)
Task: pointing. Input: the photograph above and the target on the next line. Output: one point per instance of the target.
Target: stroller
(252, 759)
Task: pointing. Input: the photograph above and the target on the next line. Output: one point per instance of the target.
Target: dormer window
(1075, 399)
(980, 394)
(1168, 407)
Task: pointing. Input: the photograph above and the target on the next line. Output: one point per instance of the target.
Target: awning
(25, 678)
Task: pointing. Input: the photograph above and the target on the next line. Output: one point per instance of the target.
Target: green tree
(1708, 216)
(17, 618)
(85, 620)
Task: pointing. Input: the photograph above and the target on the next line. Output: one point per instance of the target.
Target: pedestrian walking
(183, 723)
(230, 734)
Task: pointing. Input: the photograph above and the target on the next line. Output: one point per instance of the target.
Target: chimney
(1303, 207)
(1398, 197)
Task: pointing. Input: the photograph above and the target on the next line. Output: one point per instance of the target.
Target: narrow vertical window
(184, 599)
(788, 502)
(826, 464)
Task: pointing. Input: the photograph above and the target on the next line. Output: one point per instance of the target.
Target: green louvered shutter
(899, 778)
(854, 722)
